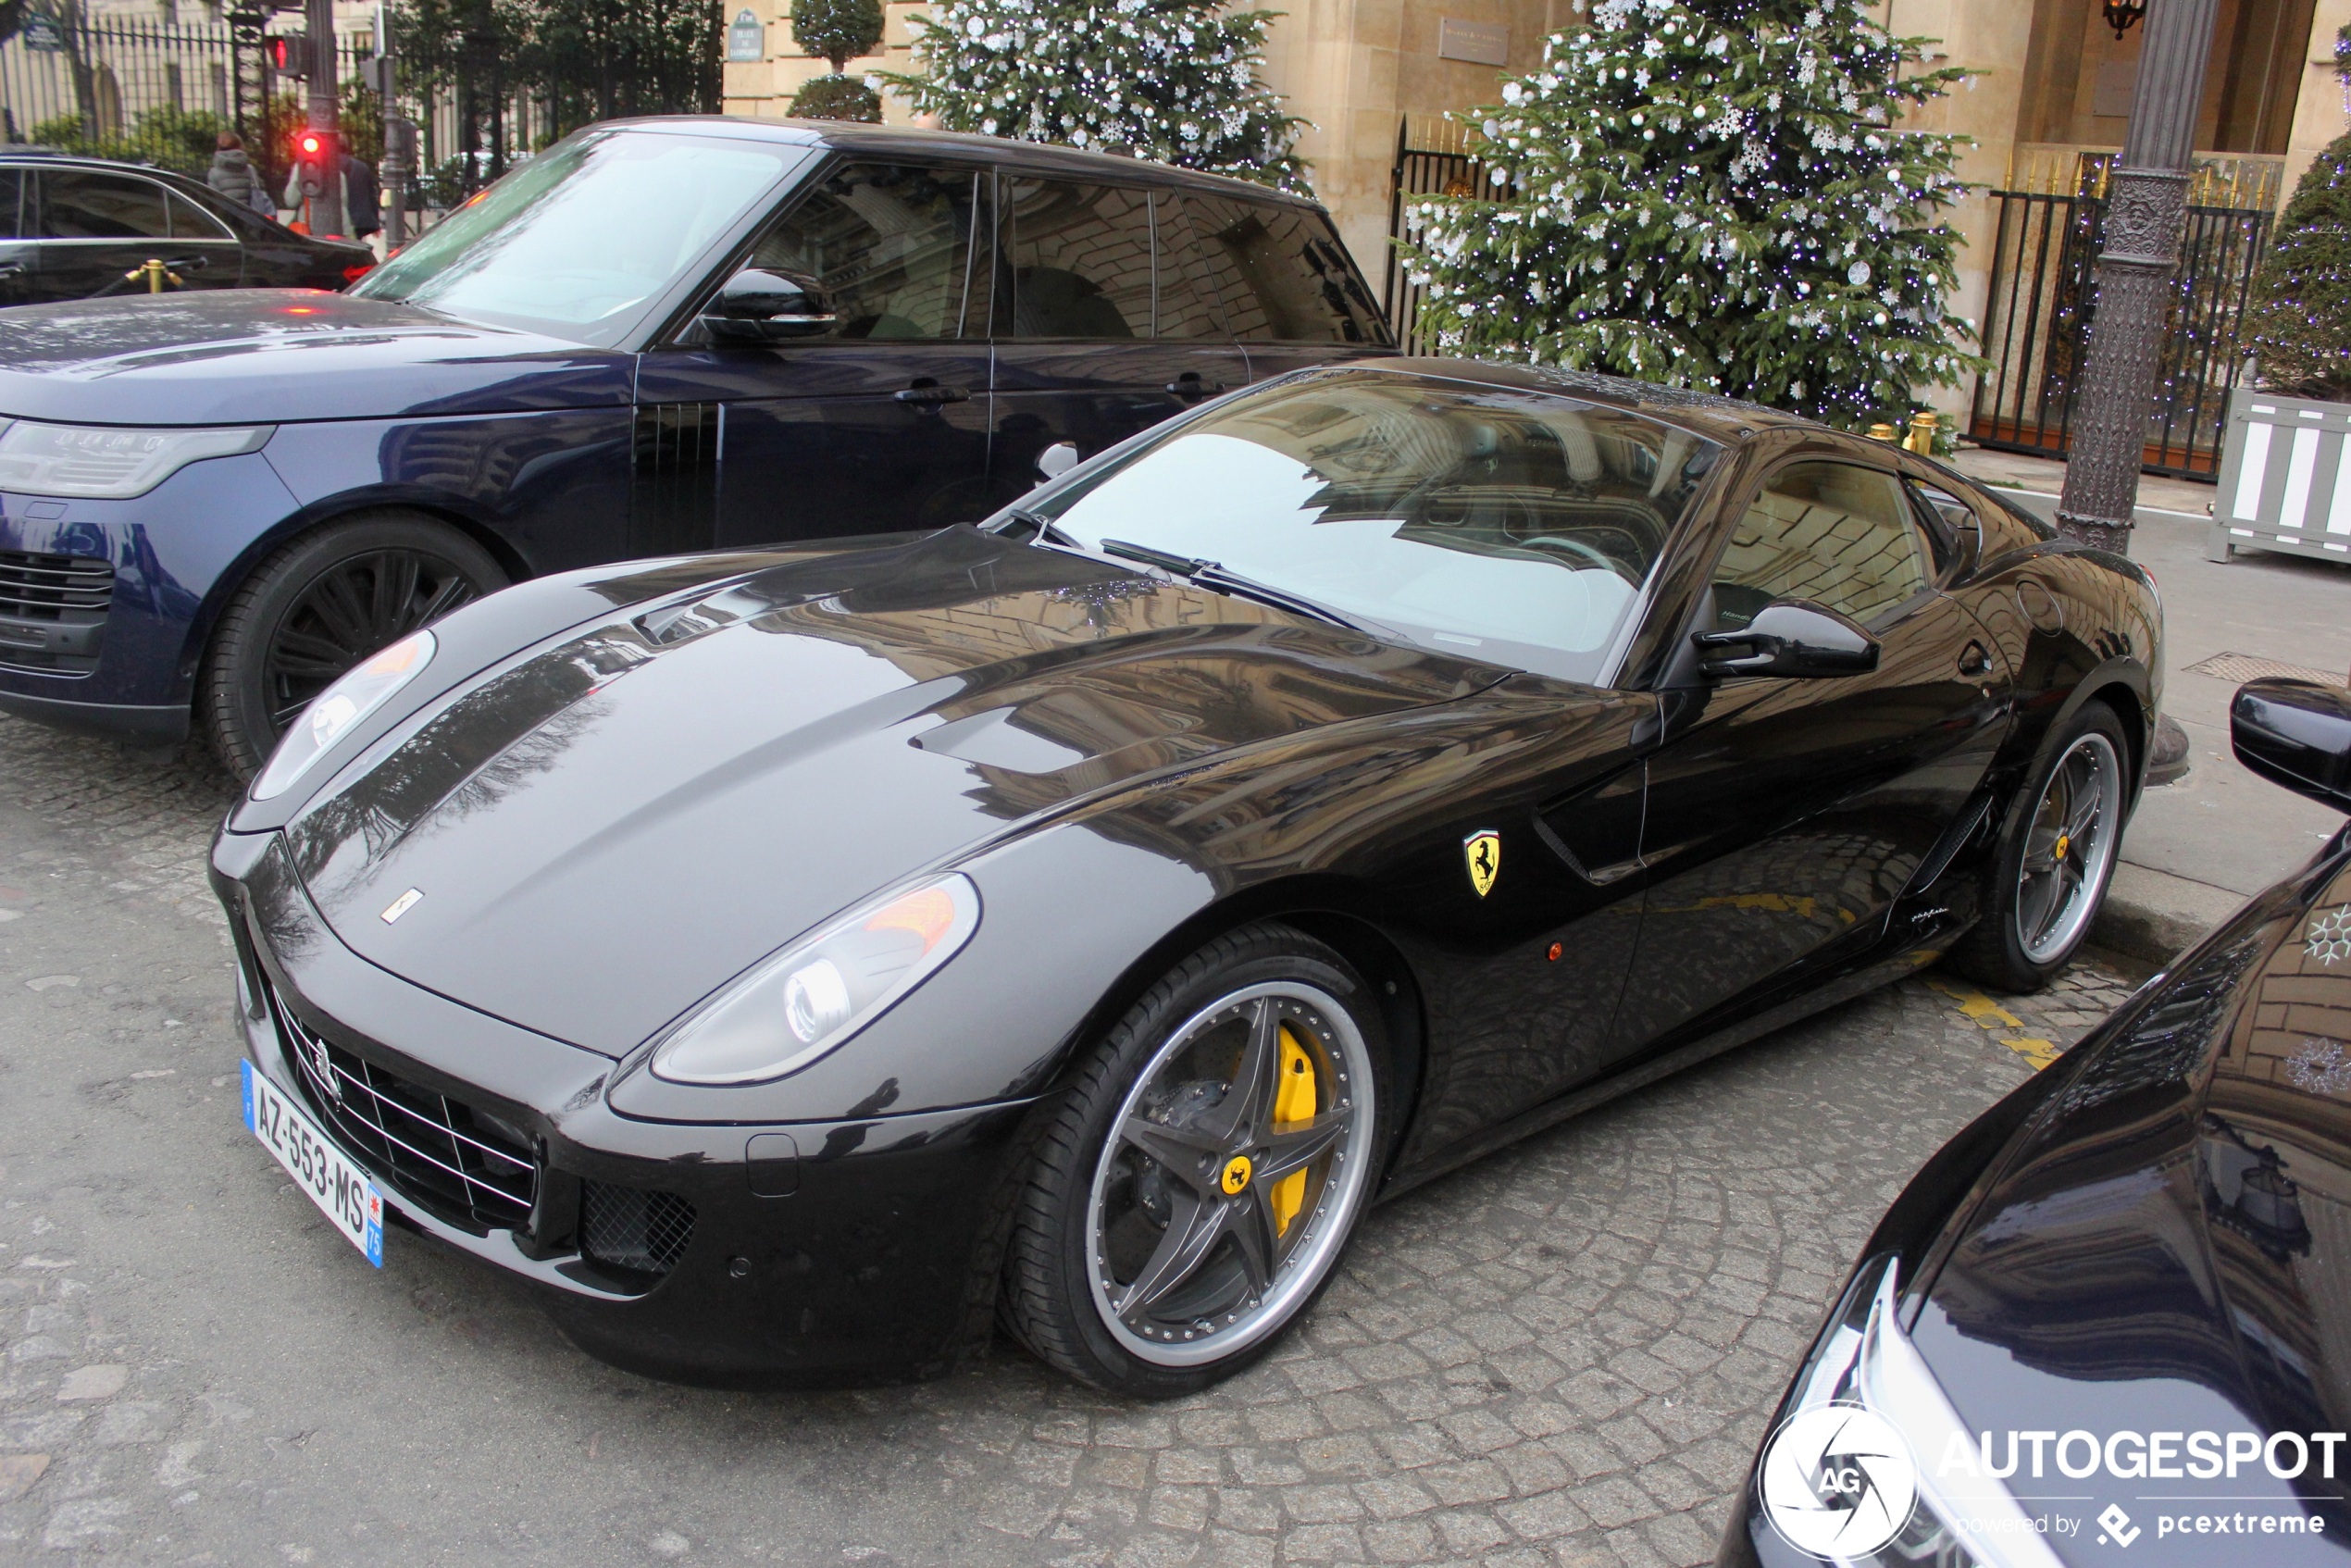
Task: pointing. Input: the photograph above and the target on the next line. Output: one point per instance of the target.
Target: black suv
(656, 336)
(76, 228)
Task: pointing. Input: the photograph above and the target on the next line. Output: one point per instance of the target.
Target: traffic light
(314, 155)
(289, 53)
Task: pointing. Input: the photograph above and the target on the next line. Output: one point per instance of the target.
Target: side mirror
(1056, 460)
(1793, 637)
(2297, 733)
(763, 304)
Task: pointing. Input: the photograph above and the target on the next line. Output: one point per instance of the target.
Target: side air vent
(633, 1230)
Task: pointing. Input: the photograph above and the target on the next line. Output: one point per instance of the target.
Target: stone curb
(2155, 916)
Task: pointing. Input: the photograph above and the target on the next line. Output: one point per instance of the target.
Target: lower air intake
(626, 1227)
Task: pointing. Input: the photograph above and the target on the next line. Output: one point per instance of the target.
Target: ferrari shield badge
(1483, 849)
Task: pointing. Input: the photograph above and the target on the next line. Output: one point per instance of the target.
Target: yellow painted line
(1988, 1015)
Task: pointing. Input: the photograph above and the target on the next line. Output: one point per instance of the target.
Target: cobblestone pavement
(1562, 1355)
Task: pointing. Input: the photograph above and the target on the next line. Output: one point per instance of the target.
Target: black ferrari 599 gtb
(793, 960)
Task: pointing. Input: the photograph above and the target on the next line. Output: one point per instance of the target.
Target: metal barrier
(2285, 478)
(2043, 301)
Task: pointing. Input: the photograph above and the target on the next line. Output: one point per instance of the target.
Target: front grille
(51, 588)
(626, 1227)
(434, 1147)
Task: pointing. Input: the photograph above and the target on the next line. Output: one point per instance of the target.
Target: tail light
(353, 273)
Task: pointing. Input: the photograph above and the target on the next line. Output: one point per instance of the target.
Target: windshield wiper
(1212, 574)
(1039, 531)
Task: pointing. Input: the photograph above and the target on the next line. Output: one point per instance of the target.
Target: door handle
(1975, 659)
(1188, 386)
(932, 395)
(11, 269)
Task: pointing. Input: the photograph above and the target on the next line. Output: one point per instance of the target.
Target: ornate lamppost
(2147, 209)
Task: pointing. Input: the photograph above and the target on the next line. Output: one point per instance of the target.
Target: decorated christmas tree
(1713, 193)
(836, 32)
(2301, 318)
(1174, 81)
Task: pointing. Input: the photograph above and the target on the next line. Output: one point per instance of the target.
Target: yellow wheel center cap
(1235, 1177)
(2063, 844)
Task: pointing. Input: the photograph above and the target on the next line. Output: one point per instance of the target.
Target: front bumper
(844, 1250)
(103, 604)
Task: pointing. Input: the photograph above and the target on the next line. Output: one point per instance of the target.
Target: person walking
(233, 176)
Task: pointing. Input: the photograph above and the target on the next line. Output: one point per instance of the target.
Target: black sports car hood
(606, 829)
(262, 356)
(2168, 1251)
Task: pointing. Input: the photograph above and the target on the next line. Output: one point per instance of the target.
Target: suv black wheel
(317, 606)
(1191, 1194)
(2048, 876)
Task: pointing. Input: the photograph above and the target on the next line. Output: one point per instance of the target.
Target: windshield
(1511, 526)
(578, 239)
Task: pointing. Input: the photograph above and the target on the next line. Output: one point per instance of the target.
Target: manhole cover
(2237, 668)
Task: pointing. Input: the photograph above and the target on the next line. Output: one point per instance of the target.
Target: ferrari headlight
(810, 997)
(1867, 1377)
(110, 462)
(363, 689)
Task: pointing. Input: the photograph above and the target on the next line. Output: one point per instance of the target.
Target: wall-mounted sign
(1479, 43)
(746, 40)
(40, 35)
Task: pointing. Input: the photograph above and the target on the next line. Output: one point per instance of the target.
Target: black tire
(1050, 1302)
(1996, 952)
(317, 605)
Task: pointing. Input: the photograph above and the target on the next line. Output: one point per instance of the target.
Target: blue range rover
(658, 336)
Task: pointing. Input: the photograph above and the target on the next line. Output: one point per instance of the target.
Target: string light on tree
(1712, 194)
(1177, 81)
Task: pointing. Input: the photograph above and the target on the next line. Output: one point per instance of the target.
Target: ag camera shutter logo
(1838, 1481)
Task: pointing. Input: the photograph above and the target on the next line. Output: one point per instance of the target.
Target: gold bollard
(155, 272)
(1884, 432)
(1923, 427)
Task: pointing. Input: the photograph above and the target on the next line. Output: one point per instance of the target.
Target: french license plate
(340, 1189)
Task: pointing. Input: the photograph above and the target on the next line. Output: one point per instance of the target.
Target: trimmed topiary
(2301, 317)
(837, 30)
(836, 97)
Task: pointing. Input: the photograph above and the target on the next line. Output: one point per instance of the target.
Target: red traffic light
(311, 143)
(289, 53)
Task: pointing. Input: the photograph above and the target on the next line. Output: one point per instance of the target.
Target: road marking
(1988, 1015)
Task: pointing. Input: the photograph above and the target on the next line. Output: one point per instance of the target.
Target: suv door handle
(1188, 386)
(932, 395)
(1974, 659)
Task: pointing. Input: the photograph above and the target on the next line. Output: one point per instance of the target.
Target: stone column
(2146, 208)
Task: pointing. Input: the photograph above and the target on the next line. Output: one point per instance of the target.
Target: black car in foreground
(788, 958)
(75, 228)
(2112, 1321)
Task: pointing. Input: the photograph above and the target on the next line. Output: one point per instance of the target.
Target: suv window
(1835, 533)
(1186, 306)
(1078, 260)
(891, 246)
(1283, 274)
(14, 222)
(76, 205)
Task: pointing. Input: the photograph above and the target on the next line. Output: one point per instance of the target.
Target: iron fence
(98, 81)
(2042, 307)
(1445, 168)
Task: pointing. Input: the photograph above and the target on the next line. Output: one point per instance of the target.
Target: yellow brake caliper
(1294, 1104)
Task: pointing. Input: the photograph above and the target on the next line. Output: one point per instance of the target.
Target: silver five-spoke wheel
(2069, 848)
(1232, 1174)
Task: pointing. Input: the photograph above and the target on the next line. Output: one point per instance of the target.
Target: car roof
(903, 141)
(1719, 418)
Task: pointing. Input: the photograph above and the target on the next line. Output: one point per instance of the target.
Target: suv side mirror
(1793, 637)
(763, 304)
(2297, 733)
(1056, 460)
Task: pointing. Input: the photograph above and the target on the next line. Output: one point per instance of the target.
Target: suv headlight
(110, 462)
(1866, 1362)
(364, 688)
(813, 996)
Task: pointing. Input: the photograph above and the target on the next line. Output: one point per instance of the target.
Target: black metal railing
(2042, 307)
(1439, 170)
